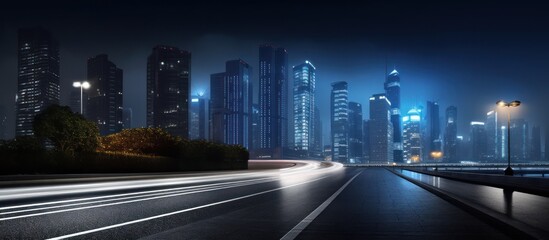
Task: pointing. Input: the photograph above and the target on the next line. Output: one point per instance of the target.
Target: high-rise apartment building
(168, 90)
(37, 76)
(304, 103)
(339, 118)
(380, 129)
(231, 104)
(104, 103)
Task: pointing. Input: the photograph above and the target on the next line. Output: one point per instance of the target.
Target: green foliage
(148, 141)
(67, 131)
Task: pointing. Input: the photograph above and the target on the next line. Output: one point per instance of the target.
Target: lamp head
(76, 84)
(85, 85)
(501, 103)
(514, 103)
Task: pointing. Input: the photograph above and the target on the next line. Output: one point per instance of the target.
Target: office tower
(535, 144)
(492, 133)
(168, 89)
(502, 144)
(392, 92)
(478, 141)
(411, 137)
(256, 131)
(546, 144)
(127, 116)
(339, 118)
(519, 139)
(355, 133)
(432, 142)
(380, 129)
(316, 149)
(231, 104)
(38, 76)
(366, 140)
(104, 104)
(304, 102)
(450, 135)
(197, 128)
(3, 122)
(273, 98)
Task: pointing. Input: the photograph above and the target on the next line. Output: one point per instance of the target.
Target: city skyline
(430, 63)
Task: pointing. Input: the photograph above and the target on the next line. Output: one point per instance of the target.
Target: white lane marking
(292, 234)
(117, 196)
(178, 212)
(116, 203)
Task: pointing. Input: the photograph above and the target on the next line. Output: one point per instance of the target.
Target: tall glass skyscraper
(392, 91)
(197, 129)
(380, 129)
(478, 141)
(450, 135)
(104, 104)
(492, 133)
(355, 133)
(339, 118)
(168, 89)
(519, 139)
(432, 142)
(231, 104)
(304, 103)
(38, 76)
(412, 137)
(273, 98)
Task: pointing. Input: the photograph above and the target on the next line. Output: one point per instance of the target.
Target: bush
(147, 141)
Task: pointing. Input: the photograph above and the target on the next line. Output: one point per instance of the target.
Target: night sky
(465, 54)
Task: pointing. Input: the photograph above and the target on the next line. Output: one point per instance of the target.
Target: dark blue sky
(465, 53)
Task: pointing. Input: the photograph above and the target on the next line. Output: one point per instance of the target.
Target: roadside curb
(514, 228)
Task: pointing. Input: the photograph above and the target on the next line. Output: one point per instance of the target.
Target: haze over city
(464, 54)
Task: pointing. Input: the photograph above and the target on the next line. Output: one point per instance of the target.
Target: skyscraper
(412, 137)
(231, 104)
(127, 116)
(273, 94)
(492, 133)
(168, 89)
(366, 140)
(392, 91)
(519, 139)
(450, 135)
(433, 143)
(546, 144)
(339, 118)
(355, 133)
(197, 129)
(535, 144)
(104, 104)
(380, 129)
(478, 141)
(316, 149)
(256, 133)
(75, 99)
(38, 76)
(304, 103)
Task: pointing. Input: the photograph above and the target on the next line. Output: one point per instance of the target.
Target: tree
(69, 132)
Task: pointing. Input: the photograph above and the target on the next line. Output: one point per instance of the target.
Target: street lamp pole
(508, 171)
(82, 85)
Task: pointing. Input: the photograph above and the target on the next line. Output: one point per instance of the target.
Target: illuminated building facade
(450, 135)
(355, 133)
(492, 136)
(197, 129)
(273, 98)
(411, 133)
(380, 129)
(339, 118)
(392, 92)
(519, 139)
(478, 141)
(38, 76)
(168, 90)
(104, 104)
(432, 138)
(304, 103)
(231, 104)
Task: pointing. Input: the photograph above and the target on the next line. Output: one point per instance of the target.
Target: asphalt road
(308, 200)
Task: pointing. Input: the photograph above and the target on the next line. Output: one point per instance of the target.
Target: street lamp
(82, 85)
(501, 103)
